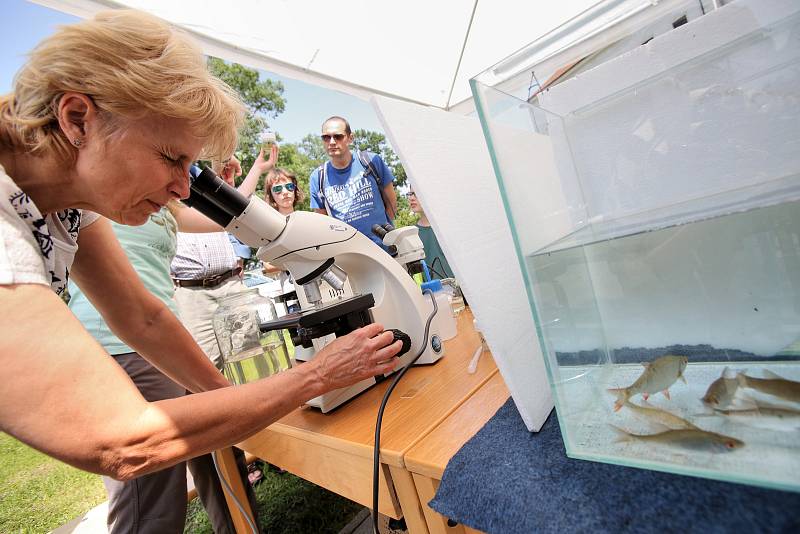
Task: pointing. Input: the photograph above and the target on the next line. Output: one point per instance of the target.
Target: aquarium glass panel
(654, 200)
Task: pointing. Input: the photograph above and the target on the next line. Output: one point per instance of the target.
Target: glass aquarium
(649, 163)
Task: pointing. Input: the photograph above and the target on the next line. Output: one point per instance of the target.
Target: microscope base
(337, 397)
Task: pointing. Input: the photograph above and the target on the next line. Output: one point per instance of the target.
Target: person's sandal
(254, 474)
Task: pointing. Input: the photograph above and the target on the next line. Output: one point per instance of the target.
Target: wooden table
(427, 459)
(335, 450)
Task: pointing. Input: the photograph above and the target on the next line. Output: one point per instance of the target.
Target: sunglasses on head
(279, 187)
(327, 138)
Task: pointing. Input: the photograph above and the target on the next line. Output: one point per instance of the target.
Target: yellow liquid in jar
(258, 364)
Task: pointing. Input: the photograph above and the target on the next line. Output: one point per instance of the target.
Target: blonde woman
(156, 502)
(103, 123)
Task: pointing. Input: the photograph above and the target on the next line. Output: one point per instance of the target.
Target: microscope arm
(254, 222)
(257, 224)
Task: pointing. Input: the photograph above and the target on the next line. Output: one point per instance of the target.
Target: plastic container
(247, 353)
(444, 316)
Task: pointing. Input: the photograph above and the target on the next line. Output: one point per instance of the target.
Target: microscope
(343, 280)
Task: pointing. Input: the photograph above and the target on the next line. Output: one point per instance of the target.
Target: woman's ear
(75, 112)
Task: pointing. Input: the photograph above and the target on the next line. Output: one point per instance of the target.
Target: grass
(287, 505)
(38, 493)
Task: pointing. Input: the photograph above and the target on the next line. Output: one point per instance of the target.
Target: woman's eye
(171, 160)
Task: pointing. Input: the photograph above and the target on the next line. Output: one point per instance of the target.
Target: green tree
(376, 143)
(263, 98)
(405, 217)
(312, 146)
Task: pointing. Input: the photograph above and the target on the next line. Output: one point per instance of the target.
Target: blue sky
(24, 24)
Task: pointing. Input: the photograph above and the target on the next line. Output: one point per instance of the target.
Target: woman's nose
(180, 186)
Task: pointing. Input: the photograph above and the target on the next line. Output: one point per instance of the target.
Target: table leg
(437, 523)
(409, 501)
(228, 469)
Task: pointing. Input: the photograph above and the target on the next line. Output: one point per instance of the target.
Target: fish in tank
(711, 307)
(658, 375)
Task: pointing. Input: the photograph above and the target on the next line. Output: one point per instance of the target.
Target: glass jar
(247, 353)
(267, 138)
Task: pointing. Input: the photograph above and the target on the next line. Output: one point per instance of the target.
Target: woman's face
(139, 168)
(413, 203)
(283, 198)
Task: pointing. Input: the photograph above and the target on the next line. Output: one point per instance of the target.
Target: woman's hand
(230, 171)
(361, 354)
(265, 165)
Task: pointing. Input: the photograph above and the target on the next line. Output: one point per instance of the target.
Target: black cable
(441, 274)
(377, 450)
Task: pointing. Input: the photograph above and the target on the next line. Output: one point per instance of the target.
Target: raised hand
(263, 165)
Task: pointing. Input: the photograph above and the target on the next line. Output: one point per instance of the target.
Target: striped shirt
(202, 256)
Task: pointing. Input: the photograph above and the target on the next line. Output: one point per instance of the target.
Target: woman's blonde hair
(131, 65)
(276, 174)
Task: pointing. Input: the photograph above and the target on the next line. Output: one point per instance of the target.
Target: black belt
(211, 281)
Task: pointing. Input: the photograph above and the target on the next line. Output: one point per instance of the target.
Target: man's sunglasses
(327, 138)
(279, 187)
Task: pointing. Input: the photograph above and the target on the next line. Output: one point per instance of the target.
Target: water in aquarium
(258, 363)
(678, 348)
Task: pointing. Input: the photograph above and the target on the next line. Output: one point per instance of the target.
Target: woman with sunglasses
(282, 191)
(283, 194)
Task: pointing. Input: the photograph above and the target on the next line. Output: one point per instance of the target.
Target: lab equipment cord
(229, 491)
(441, 274)
(377, 449)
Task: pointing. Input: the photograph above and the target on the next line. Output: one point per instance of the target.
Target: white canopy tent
(413, 60)
(419, 51)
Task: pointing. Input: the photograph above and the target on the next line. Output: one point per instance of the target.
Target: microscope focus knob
(402, 336)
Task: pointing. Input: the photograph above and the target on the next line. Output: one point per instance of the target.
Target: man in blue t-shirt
(350, 192)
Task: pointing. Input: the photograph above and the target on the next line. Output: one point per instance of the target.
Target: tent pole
(461, 55)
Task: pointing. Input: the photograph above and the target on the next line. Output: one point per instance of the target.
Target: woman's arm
(260, 167)
(62, 394)
(138, 318)
(268, 268)
(390, 201)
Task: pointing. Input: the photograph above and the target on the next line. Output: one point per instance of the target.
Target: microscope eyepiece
(212, 197)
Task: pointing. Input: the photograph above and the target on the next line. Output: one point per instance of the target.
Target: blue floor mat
(508, 480)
